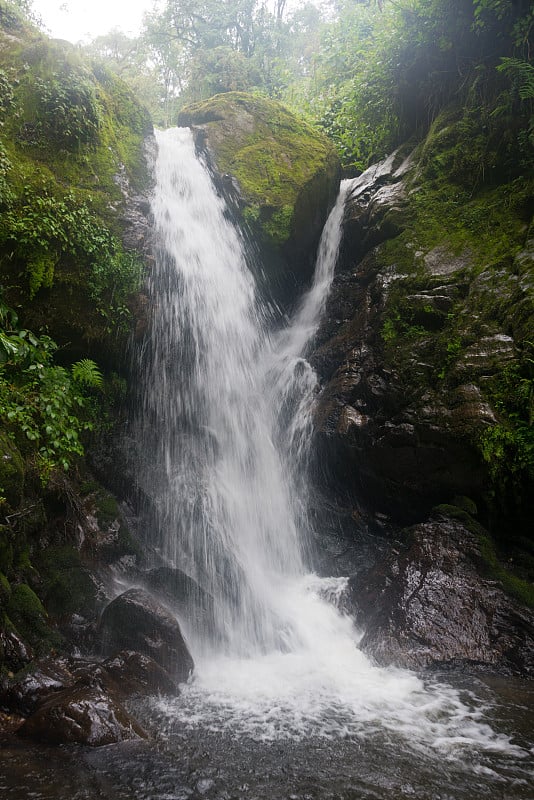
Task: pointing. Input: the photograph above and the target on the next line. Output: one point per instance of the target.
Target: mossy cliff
(72, 168)
(287, 175)
(73, 177)
(427, 349)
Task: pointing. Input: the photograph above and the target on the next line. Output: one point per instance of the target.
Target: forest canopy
(370, 74)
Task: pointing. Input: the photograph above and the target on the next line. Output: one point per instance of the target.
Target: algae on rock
(287, 173)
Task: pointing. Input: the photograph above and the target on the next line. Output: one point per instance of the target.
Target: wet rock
(134, 673)
(81, 715)
(425, 604)
(14, 653)
(31, 688)
(136, 621)
(183, 593)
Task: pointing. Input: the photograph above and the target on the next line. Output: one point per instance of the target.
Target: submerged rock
(425, 604)
(136, 621)
(81, 715)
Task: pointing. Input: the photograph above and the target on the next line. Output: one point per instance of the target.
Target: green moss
(66, 585)
(5, 591)
(107, 509)
(274, 156)
(519, 588)
(461, 515)
(72, 140)
(466, 504)
(6, 550)
(29, 617)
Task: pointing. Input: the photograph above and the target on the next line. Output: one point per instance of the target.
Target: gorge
(292, 562)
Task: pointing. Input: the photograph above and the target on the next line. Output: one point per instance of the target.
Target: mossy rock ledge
(281, 175)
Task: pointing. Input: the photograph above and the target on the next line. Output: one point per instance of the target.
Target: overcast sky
(82, 20)
(78, 20)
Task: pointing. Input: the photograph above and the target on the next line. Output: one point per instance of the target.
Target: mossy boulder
(27, 614)
(287, 173)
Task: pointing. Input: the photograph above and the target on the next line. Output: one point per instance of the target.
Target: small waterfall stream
(225, 431)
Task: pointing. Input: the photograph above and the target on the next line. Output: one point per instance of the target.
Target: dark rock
(136, 621)
(425, 604)
(33, 687)
(184, 594)
(81, 715)
(14, 653)
(134, 673)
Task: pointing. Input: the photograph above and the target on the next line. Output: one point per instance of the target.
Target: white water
(226, 430)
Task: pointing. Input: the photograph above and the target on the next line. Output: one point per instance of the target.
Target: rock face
(426, 605)
(136, 621)
(281, 174)
(416, 361)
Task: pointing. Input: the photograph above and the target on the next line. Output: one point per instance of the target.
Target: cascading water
(225, 431)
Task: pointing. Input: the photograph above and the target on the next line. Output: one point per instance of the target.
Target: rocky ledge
(426, 605)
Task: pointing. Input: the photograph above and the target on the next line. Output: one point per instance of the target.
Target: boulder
(425, 604)
(281, 175)
(136, 621)
(182, 592)
(14, 653)
(33, 686)
(81, 715)
(130, 673)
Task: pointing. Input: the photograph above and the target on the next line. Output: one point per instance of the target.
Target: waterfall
(225, 429)
(225, 464)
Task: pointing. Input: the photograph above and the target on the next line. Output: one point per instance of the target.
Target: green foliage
(87, 373)
(522, 590)
(45, 229)
(41, 403)
(68, 111)
(508, 448)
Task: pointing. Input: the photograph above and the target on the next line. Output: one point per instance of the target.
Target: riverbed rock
(425, 604)
(281, 175)
(81, 715)
(136, 621)
(130, 673)
(36, 685)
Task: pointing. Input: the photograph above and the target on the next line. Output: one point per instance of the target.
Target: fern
(87, 372)
(521, 74)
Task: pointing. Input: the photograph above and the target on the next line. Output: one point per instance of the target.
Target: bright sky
(78, 20)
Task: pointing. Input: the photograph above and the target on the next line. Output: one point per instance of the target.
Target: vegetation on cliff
(71, 158)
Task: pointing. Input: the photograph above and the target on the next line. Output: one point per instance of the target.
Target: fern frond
(87, 372)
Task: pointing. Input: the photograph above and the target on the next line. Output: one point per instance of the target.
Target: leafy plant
(87, 373)
(42, 404)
